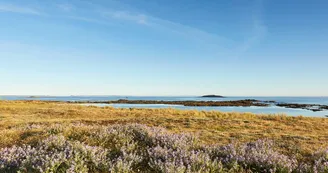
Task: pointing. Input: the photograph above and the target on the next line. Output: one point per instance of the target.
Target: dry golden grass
(294, 135)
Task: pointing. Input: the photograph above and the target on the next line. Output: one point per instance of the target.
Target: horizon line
(42, 95)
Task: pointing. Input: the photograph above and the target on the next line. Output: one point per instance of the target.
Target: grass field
(298, 137)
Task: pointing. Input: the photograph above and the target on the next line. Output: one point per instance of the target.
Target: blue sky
(157, 47)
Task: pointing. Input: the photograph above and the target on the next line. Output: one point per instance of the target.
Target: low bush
(139, 148)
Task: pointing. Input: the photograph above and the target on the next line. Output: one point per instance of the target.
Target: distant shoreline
(196, 101)
(243, 103)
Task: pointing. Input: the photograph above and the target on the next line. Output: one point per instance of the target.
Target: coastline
(235, 103)
(221, 126)
(31, 122)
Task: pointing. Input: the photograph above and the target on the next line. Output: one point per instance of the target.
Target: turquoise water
(252, 109)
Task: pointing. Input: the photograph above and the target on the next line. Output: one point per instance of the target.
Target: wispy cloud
(66, 7)
(128, 16)
(188, 31)
(18, 9)
(88, 20)
(167, 26)
(258, 33)
(259, 29)
(124, 12)
(97, 14)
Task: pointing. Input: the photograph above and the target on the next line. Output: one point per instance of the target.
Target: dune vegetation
(40, 136)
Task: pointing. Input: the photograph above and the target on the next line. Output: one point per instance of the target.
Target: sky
(164, 47)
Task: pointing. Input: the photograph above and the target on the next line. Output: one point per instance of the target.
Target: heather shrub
(139, 148)
(320, 161)
(261, 157)
(163, 159)
(56, 154)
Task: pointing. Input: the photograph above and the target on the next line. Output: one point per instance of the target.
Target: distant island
(212, 96)
(33, 96)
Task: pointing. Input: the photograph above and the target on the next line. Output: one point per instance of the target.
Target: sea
(253, 109)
